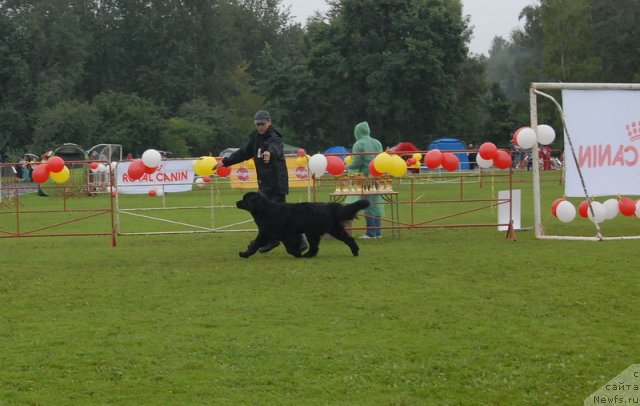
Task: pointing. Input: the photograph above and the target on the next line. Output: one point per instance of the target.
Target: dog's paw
(244, 254)
(355, 253)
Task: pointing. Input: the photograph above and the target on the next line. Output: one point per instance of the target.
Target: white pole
(537, 218)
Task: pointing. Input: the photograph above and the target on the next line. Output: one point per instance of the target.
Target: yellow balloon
(398, 166)
(348, 159)
(204, 166)
(382, 162)
(62, 176)
(301, 161)
(417, 156)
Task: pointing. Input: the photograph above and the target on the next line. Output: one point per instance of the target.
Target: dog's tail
(349, 211)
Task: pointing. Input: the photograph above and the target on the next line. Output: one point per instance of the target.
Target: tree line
(187, 75)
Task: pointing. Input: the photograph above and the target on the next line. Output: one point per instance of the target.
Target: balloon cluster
(526, 137)
(302, 159)
(157, 191)
(201, 181)
(489, 155)
(54, 168)
(319, 164)
(414, 160)
(100, 167)
(565, 211)
(148, 164)
(204, 167)
(392, 164)
(435, 159)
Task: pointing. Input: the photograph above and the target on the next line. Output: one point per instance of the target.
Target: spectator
(471, 156)
(360, 164)
(26, 168)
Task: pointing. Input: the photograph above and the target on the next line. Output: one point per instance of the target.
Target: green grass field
(438, 316)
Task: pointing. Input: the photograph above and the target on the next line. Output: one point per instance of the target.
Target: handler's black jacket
(272, 177)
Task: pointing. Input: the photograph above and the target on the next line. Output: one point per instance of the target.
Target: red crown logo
(633, 131)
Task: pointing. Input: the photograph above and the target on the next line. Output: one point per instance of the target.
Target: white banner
(511, 210)
(171, 176)
(604, 126)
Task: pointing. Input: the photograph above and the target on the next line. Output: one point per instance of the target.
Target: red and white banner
(170, 176)
(604, 126)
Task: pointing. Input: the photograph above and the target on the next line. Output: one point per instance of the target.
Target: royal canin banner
(171, 176)
(604, 126)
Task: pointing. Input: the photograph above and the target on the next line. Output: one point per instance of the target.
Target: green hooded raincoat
(360, 163)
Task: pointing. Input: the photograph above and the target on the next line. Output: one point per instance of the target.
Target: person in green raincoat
(360, 164)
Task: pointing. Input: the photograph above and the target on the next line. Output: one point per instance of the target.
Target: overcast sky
(488, 17)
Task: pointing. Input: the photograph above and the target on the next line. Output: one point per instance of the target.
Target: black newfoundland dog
(287, 222)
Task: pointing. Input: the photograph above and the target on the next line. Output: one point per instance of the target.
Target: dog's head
(250, 202)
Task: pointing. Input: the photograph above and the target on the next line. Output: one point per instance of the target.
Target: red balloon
(502, 160)
(153, 192)
(40, 174)
(433, 159)
(555, 204)
(149, 169)
(372, 170)
(450, 162)
(301, 151)
(55, 164)
(488, 150)
(627, 206)
(411, 161)
(206, 179)
(136, 169)
(583, 209)
(335, 165)
(93, 165)
(223, 171)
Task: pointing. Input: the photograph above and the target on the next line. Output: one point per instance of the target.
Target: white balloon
(612, 207)
(525, 137)
(159, 191)
(199, 182)
(317, 165)
(638, 209)
(151, 158)
(546, 134)
(101, 168)
(565, 211)
(483, 163)
(599, 212)
(114, 164)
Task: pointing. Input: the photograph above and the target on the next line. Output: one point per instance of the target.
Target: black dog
(287, 222)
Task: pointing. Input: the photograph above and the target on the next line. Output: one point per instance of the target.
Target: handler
(266, 147)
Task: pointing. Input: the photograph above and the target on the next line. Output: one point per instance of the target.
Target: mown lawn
(437, 316)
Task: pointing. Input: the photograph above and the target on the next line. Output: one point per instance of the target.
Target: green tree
(135, 123)
(616, 28)
(394, 63)
(69, 121)
(569, 41)
(55, 46)
(186, 138)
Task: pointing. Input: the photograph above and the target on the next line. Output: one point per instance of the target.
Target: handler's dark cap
(261, 117)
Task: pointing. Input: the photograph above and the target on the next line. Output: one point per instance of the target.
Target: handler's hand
(266, 156)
